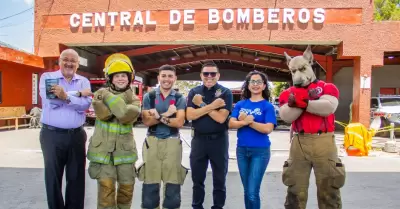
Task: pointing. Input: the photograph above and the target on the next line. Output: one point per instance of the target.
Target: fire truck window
(1, 89)
(374, 103)
(136, 90)
(96, 87)
(236, 98)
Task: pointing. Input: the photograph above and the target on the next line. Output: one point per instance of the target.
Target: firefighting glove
(128, 96)
(101, 110)
(298, 98)
(313, 91)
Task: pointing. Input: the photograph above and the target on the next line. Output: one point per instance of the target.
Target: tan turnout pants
(162, 162)
(107, 176)
(317, 152)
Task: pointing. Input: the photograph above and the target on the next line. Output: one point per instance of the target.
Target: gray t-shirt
(162, 105)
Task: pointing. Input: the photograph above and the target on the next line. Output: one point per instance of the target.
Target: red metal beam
(147, 50)
(278, 50)
(214, 56)
(339, 64)
(393, 61)
(329, 70)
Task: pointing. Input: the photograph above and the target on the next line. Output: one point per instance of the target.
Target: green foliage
(279, 87)
(387, 10)
(185, 86)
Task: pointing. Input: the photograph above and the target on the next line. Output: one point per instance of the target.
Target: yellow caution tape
(383, 129)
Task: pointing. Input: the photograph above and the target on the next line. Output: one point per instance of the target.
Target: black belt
(196, 133)
(303, 133)
(69, 130)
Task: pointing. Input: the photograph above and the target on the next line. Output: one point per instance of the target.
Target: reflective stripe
(98, 158)
(112, 100)
(125, 159)
(114, 127)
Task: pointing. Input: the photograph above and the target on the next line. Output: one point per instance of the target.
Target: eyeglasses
(69, 61)
(256, 82)
(206, 74)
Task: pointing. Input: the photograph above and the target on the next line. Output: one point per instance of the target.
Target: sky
(18, 30)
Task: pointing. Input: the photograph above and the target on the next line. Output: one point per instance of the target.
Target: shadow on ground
(23, 188)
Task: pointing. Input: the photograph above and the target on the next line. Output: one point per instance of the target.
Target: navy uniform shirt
(205, 124)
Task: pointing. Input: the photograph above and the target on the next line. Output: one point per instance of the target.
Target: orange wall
(17, 84)
(347, 21)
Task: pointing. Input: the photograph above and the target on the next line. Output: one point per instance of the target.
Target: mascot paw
(302, 104)
(299, 98)
(292, 100)
(313, 94)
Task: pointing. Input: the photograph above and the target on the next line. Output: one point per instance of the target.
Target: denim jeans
(252, 163)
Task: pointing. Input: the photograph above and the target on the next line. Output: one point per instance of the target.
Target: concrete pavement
(372, 182)
(23, 188)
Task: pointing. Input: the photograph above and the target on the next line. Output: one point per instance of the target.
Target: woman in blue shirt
(254, 117)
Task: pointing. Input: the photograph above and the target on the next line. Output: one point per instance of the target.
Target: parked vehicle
(275, 102)
(236, 93)
(386, 108)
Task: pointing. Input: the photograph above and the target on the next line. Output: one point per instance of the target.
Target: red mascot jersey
(308, 122)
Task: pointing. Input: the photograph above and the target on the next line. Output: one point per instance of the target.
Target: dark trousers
(213, 148)
(64, 149)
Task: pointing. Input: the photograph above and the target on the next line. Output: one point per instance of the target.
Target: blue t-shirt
(263, 112)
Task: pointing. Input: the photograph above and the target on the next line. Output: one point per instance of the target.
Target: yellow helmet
(118, 63)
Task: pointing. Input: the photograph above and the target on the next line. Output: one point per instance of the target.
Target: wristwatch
(79, 94)
(202, 104)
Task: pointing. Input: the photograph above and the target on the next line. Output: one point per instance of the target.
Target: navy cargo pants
(211, 148)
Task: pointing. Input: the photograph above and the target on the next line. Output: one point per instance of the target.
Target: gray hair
(69, 51)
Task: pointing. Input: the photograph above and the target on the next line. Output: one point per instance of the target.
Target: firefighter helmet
(118, 63)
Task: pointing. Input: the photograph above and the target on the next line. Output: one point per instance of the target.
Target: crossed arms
(77, 103)
(248, 120)
(295, 101)
(219, 116)
(125, 106)
(151, 117)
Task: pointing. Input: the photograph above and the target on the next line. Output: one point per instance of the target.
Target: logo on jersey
(315, 93)
(256, 111)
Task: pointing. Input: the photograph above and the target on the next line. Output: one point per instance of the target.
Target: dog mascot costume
(112, 150)
(309, 105)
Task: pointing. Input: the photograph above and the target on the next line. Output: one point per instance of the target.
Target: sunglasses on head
(206, 74)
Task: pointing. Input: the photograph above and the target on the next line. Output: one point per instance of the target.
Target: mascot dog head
(300, 68)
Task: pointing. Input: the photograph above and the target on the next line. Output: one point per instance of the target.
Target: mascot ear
(308, 55)
(288, 58)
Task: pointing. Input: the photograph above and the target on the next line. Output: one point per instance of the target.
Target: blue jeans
(252, 163)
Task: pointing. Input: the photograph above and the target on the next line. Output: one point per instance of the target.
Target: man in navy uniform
(208, 107)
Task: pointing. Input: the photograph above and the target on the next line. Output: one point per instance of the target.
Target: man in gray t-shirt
(164, 113)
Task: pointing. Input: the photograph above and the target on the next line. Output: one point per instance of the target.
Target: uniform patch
(218, 93)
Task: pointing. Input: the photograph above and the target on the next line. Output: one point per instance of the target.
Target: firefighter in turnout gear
(310, 106)
(112, 150)
(164, 114)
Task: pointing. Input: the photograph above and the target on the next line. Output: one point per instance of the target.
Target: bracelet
(202, 104)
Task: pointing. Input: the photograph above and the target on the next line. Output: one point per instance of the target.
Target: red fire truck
(97, 83)
(236, 93)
